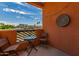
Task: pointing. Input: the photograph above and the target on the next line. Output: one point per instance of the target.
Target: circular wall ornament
(63, 20)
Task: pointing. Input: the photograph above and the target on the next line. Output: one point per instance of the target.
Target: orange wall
(10, 34)
(64, 38)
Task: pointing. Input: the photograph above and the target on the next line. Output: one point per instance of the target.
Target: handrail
(24, 30)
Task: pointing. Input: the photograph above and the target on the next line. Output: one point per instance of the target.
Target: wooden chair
(7, 49)
(42, 36)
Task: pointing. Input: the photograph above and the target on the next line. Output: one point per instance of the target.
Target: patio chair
(43, 37)
(7, 49)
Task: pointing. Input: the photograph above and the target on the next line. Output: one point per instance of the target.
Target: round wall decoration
(63, 20)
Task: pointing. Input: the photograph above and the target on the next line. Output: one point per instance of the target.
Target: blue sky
(19, 13)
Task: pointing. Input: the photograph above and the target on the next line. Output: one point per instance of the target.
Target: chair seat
(14, 47)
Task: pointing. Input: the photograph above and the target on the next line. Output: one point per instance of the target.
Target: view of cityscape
(19, 15)
(18, 27)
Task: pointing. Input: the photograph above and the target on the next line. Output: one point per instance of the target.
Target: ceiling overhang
(37, 4)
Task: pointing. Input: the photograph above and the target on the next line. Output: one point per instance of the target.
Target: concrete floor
(43, 51)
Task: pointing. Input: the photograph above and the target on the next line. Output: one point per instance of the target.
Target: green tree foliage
(3, 26)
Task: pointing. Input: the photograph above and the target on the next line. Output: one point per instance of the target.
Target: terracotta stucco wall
(64, 38)
(10, 34)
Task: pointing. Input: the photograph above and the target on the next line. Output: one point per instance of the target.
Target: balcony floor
(43, 51)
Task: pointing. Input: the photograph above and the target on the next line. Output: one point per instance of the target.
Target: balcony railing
(21, 34)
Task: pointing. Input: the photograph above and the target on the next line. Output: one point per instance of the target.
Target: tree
(1, 24)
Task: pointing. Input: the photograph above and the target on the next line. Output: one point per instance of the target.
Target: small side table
(30, 40)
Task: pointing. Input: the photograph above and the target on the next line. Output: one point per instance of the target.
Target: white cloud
(16, 11)
(20, 3)
(23, 4)
(26, 4)
(9, 23)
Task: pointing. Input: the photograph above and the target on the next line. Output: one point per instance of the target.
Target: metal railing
(21, 34)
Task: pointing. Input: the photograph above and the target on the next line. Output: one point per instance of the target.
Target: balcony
(60, 38)
(19, 35)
